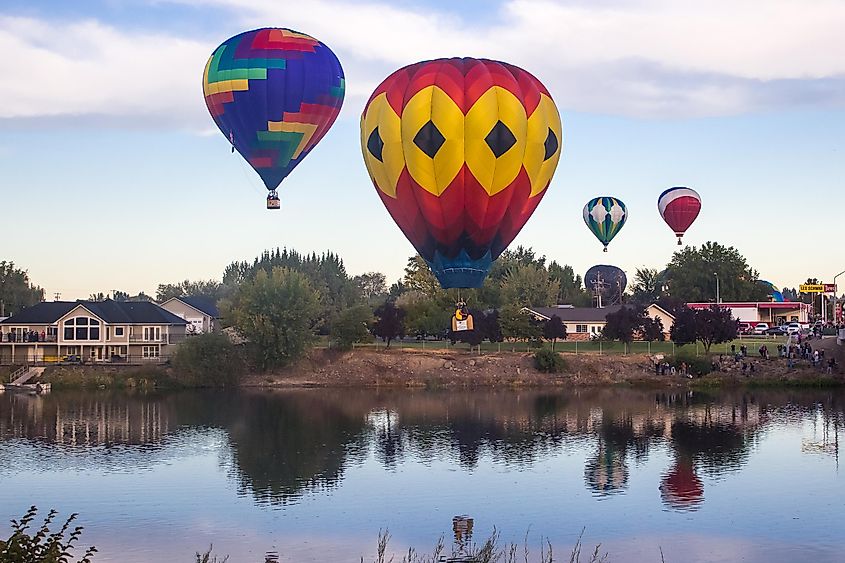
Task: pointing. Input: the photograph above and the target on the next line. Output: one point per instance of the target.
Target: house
(584, 323)
(200, 312)
(90, 331)
(774, 313)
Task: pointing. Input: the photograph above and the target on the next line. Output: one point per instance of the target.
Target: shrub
(352, 326)
(697, 365)
(208, 360)
(44, 546)
(549, 361)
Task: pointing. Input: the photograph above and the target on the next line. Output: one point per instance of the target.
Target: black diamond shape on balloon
(500, 139)
(551, 145)
(375, 144)
(429, 139)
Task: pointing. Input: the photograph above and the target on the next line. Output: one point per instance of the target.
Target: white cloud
(663, 58)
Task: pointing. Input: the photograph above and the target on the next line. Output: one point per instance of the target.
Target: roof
(753, 305)
(200, 303)
(575, 314)
(111, 312)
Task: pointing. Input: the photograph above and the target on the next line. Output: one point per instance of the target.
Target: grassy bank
(109, 377)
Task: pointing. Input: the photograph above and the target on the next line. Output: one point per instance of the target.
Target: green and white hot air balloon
(605, 217)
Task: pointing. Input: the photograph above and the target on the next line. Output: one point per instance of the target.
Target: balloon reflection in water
(680, 488)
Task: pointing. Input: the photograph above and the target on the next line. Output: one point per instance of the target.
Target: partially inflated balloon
(606, 280)
(605, 217)
(273, 93)
(461, 151)
(679, 207)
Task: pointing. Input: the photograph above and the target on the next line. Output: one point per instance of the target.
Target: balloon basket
(273, 201)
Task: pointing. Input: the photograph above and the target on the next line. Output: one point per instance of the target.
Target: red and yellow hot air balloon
(461, 151)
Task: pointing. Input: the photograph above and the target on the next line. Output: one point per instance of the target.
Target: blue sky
(112, 174)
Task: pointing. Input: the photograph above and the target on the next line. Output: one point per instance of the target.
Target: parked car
(793, 328)
(745, 328)
(761, 328)
(776, 331)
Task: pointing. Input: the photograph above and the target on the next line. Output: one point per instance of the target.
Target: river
(313, 475)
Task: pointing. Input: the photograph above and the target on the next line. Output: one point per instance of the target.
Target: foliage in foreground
(43, 546)
(208, 360)
(549, 361)
(352, 327)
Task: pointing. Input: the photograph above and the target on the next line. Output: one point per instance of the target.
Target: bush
(352, 326)
(697, 365)
(548, 361)
(44, 546)
(208, 360)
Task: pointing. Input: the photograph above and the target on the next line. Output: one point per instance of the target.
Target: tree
(529, 285)
(517, 325)
(424, 316)
(208, 360)
(554, 329)
(16, 291)
(277, 314)
(211, 289)
(571, 286)
(630, 322)
(351, 327)
(420, 278)
(692, 274)
(708, 326)
(648, 286)
(371, 284)
(389, 322)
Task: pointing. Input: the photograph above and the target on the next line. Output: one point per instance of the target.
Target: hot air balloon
(605, 217)
(772, 291)
(606, 282)
(679, 207)
(274, 93)
(461, 151)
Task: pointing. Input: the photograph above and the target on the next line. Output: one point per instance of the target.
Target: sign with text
(812, 288)
(829, 288)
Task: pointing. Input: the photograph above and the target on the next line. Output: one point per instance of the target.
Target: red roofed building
(772, 312)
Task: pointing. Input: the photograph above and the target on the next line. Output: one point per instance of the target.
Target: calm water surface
(314, 474)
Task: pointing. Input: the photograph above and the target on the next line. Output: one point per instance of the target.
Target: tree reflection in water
(283, 444)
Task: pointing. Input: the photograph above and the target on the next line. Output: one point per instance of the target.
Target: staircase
(24, 374)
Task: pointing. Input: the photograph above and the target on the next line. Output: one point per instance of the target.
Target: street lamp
(835, 297)
(718, 299)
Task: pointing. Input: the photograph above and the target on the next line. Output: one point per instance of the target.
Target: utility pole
(718, 298)
(836, 295)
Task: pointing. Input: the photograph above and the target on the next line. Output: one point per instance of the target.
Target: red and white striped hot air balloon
(679, 207)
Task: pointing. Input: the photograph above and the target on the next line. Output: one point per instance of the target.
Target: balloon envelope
(273, 93)
(605, 216)
(679, 207)
(606, 280)
(461, 151)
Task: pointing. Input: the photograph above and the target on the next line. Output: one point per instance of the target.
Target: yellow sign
(812, 288)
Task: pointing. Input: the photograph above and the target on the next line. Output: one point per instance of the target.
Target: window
(581, 328)
(118, 331)
(152, 333)
(82, 328)
(150, 352)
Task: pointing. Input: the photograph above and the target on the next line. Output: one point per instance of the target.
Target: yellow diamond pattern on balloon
(496, 104)
(380, 120)
(433, 104)
(539, 168)
(464, 140)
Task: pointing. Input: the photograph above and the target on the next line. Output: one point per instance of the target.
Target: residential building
(90, 331)
(200, 312)
(584, 323)
(773, 313)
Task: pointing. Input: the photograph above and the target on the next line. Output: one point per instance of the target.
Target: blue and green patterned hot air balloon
(605, 216)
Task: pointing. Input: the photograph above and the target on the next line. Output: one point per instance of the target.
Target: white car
(792, 328)
(761, 328)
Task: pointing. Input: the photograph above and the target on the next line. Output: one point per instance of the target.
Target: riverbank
(447, 368)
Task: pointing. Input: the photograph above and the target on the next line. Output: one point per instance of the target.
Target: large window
(581, 328)
(151, 352)
(82, 328)
(152, 333)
